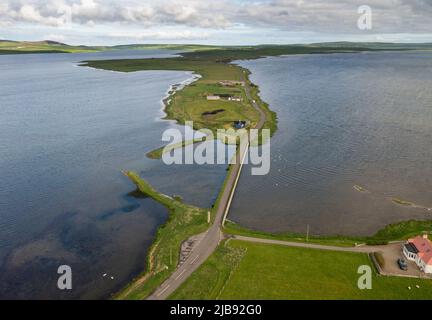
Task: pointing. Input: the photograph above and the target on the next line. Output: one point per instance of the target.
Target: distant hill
(178, 47)
(375, 45)
(50, 46)
(46, 46)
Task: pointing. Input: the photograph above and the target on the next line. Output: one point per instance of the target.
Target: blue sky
(107, 22)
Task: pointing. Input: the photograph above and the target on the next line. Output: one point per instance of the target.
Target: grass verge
(393, 232)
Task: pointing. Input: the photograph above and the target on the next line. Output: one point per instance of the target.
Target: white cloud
(161, 35)
(336, 15)
(55, 37)
(322, 16)
(169, 12)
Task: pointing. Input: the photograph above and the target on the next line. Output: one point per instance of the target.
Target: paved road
(214, 235)
(359, 249)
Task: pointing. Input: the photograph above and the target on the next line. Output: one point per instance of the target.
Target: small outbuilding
(231, 83)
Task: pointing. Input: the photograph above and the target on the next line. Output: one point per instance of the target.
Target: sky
(218, 22)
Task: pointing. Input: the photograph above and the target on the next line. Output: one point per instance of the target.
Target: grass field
(240, 270)
(393, 232)
(184, 221)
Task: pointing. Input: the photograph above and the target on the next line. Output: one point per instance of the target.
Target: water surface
(66, 132)
(344, 120)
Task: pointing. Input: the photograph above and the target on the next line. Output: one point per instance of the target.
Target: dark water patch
(131, 204)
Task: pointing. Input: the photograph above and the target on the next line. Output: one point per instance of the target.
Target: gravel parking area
(391, 254)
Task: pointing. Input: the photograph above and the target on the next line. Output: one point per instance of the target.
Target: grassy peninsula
(219, 76)
(191, 103)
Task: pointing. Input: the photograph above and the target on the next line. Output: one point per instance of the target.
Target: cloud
(337, 16)
(161, 35)
(55, 37)
(60, 12)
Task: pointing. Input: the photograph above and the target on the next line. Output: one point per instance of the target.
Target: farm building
(213, 98)
(419, 250)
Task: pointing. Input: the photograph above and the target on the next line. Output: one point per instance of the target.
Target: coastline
(172, 91)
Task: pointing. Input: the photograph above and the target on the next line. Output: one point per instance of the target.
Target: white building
(419, 250)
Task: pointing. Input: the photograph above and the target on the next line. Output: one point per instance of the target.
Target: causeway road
(214, 235)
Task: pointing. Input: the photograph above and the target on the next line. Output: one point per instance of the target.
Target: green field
(241, 270)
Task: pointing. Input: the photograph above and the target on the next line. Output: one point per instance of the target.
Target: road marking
(166, 288)
(194, 260)
(180, 274)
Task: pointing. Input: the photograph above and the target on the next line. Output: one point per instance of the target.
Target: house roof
(424, 247)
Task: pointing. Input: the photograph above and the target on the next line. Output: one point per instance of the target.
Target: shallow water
(66, 132)
(344, 120)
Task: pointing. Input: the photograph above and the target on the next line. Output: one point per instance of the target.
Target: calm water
(344, 120)
(66, 132)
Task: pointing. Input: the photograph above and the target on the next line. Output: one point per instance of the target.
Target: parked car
(403, 265)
